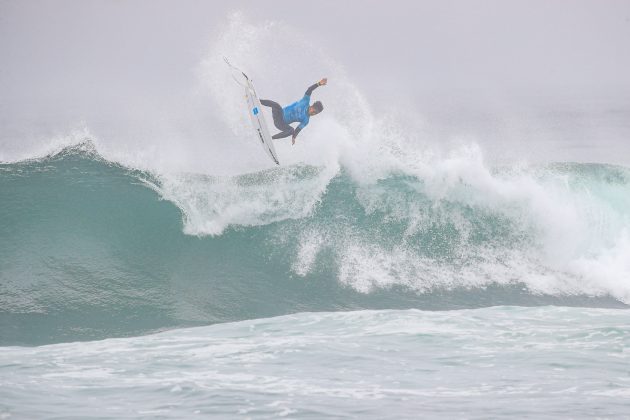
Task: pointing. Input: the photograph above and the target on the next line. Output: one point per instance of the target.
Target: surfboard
(254, 108)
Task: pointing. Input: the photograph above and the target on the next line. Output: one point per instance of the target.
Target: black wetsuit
(296, 112)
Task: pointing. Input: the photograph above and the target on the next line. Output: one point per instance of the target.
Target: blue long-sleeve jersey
(298, 111)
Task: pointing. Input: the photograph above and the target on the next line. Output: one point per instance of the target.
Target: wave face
(91, 249)
(484, 362)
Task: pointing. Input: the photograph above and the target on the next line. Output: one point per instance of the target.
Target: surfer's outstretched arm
(298, 129)
(310, 90)
(312, 110)
(296, 132)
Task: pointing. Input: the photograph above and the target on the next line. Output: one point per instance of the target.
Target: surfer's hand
(323, 82)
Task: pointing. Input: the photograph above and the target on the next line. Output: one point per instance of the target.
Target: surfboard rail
(254, 109)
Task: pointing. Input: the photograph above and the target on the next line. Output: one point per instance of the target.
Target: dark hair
(318, 107)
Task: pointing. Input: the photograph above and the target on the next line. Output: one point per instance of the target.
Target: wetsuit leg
(283, 134)
(278, 119)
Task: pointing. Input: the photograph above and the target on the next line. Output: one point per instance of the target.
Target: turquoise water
(464, 292)
(92, 250)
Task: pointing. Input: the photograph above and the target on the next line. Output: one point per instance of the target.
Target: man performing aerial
(299, 111)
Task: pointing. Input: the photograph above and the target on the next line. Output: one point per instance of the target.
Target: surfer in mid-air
(299, 111)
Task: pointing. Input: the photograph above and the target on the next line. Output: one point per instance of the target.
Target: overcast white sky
(447, 43)
(58, 57)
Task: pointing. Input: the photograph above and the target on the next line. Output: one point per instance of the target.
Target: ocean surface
(505, 361)
(311, 291)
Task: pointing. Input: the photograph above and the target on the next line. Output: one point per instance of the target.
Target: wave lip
(212, 204)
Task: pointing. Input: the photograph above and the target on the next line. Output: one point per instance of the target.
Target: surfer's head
(315, 109)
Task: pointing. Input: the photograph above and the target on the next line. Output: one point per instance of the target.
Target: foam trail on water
(387, 363)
